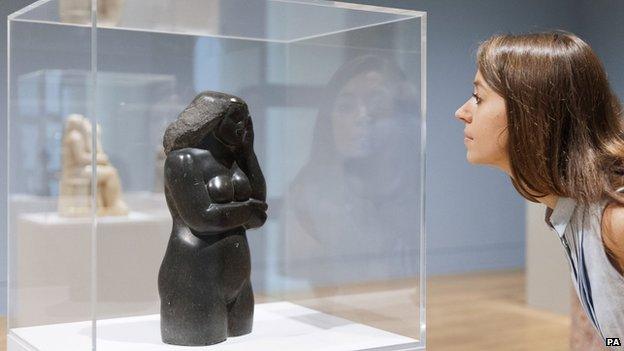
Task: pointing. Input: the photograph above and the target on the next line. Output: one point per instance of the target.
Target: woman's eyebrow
(479, 84)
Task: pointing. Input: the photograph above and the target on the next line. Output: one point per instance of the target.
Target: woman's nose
(363, 114)
(464, 113)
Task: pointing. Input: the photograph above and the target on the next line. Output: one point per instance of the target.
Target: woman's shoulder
(613, 220)
(612, 228)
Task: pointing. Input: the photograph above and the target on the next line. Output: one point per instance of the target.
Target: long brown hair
(566, 134)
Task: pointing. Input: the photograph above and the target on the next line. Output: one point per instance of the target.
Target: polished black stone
(215, 191)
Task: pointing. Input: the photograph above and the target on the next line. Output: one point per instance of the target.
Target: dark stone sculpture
(215, 191)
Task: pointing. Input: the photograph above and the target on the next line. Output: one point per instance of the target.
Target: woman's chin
(474, 159)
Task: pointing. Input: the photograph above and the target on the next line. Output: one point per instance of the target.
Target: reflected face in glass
(364, 101)
(232, 129)
(485, 119)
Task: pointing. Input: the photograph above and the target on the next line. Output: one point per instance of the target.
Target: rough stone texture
(199, 119)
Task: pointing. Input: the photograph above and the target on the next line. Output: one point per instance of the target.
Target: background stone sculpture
(215, 191)
(77, 173)
(79, 11)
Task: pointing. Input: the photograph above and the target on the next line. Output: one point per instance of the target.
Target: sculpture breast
(221, 189)
(224, 189)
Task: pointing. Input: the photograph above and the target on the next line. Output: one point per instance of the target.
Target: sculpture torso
(225, 183)
(223, 180)
(215, 192)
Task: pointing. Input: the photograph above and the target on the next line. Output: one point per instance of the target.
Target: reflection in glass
(351, 212)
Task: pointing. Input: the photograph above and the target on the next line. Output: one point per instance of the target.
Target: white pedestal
(279, 326)
(53, 266)
(548, 280)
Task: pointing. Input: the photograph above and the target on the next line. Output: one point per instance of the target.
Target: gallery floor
(487, 311)
(484, 311)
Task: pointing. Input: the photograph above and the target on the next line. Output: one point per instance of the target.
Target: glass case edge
(92, 103)
(26, 9)
(423, 159)
(357, 7)
(347, 30)
(8, 174)
(12, 337)
(371, 8)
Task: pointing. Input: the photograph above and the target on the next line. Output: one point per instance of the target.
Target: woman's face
(361, 104)
(485, 132)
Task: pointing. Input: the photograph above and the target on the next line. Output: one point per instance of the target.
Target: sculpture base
(53, 262)
(277, 326)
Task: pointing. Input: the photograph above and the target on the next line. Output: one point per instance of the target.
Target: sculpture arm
(258, 216)
(235, 214)
(248, 163)
(186, 185)
(102, 158)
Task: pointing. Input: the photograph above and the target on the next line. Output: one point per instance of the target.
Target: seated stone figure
(79, 11)
(77, 173)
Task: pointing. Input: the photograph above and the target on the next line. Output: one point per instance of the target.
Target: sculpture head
(79, 124)
(221, 115)
(234, 124)
(75, 122)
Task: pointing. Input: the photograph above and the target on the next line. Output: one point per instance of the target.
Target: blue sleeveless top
(599, 286)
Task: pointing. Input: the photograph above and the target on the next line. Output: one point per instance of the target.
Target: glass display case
(337, 96)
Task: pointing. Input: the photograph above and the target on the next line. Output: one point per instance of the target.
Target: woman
(542, 111)
(352, 225)
(215, 191)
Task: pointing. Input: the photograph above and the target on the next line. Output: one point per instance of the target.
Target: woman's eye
(477, 98)
(346, 106)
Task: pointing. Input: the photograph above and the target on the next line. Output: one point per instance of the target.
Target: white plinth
(279, 326)
(52, 266)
